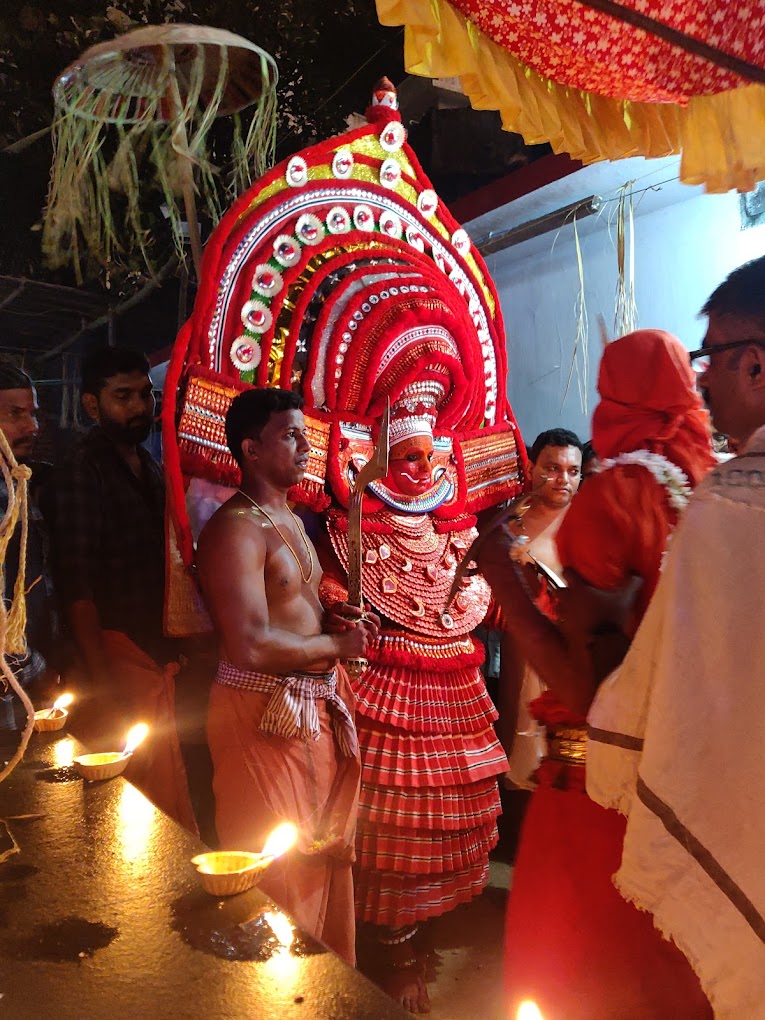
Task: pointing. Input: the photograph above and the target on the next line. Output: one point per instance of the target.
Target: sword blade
(375, 468)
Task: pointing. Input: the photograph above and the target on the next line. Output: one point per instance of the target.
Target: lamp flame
(135, 736)
(63, 702)
(529, 1010)
(281, 839)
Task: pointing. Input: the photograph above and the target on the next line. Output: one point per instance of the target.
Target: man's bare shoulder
(232, 525)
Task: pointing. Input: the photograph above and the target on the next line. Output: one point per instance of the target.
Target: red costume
(429, 798)
(574, 946)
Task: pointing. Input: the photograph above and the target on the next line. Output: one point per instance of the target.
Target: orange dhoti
(137, 690)
(263, 777)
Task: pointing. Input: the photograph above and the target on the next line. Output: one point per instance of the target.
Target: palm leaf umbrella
(137, 111)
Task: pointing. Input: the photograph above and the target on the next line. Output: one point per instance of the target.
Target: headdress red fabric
(648, 401)
(340, 274)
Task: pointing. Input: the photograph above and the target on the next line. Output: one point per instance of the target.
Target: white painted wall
(686, 242)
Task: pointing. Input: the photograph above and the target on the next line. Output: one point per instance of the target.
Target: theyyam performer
(341, 276)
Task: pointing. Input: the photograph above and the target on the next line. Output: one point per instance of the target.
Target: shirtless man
(280, 725)
(554, 473)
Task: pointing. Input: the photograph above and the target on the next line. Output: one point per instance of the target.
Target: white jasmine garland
(664, 471)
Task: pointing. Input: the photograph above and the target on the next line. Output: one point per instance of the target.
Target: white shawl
(677, 741)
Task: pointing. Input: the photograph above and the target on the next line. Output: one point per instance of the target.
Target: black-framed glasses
(705, 352)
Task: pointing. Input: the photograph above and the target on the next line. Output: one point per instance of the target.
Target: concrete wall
(686, 242)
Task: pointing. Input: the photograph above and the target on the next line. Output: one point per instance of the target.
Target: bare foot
(407, 987)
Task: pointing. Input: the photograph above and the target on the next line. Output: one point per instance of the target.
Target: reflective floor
(468, 943)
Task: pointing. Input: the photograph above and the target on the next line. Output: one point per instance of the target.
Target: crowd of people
(630, 649)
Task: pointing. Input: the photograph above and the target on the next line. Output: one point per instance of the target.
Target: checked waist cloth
(291, 710)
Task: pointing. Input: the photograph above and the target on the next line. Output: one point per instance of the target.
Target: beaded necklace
(281, 535)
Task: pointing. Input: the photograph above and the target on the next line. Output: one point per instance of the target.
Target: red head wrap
(648, 401)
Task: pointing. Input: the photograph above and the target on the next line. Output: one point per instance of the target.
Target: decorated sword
(375, 468)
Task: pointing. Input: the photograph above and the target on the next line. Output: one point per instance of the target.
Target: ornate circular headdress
(342, 275)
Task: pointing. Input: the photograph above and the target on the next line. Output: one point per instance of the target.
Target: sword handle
(355, 553)
(355, 667)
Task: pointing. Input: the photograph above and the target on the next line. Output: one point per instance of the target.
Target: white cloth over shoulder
(677, 741)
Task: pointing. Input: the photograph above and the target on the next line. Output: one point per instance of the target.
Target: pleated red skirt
(429, 800)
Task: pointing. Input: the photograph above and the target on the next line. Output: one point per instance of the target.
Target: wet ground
(468, 943)
(101, 915)
(465, 973)
(68, 940)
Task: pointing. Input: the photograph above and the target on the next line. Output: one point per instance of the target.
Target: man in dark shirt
(109, 563)
(110, 500)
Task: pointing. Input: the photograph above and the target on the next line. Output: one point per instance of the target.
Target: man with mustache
(554, 473)
(109, 562)
(280, 727)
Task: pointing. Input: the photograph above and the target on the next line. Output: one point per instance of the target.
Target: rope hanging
(13, 619)
(580, 356)
(625, 316)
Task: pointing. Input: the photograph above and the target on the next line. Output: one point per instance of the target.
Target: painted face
(18, 420)
(124, 408)
(280, 455)
(556, 474)
(410, 469)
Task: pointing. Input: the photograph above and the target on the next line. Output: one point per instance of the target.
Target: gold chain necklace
(280, 533)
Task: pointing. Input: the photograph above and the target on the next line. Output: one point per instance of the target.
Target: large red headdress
(342, 275)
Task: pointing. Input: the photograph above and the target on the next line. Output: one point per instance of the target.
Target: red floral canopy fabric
(576, 45)
(608, 78)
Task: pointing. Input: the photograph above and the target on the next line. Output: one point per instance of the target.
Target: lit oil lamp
(108, 764)
(54, 718)
(227, 872)
(529, 1010)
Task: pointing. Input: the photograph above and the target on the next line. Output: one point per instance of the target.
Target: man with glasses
(732, 360)
(677, 734)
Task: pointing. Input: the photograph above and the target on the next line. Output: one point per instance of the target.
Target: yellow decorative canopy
(596, 86)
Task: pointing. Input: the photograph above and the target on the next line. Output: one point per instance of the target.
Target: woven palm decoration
(136, 113)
